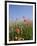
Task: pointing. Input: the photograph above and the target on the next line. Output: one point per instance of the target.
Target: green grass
(25, 33)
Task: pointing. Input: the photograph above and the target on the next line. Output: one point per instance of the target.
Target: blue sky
(17, 11)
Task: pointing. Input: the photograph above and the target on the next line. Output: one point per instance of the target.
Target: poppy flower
(17, 30)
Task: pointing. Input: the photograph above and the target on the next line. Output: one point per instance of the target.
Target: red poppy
(17, 30)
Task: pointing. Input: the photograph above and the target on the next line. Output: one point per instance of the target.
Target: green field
(20, 31)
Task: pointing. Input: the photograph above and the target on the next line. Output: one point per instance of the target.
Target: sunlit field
(20, 30)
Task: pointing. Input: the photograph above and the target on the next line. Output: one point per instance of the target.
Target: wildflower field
(22, 30)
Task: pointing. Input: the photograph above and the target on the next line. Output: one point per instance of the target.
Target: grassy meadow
(20, 30)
